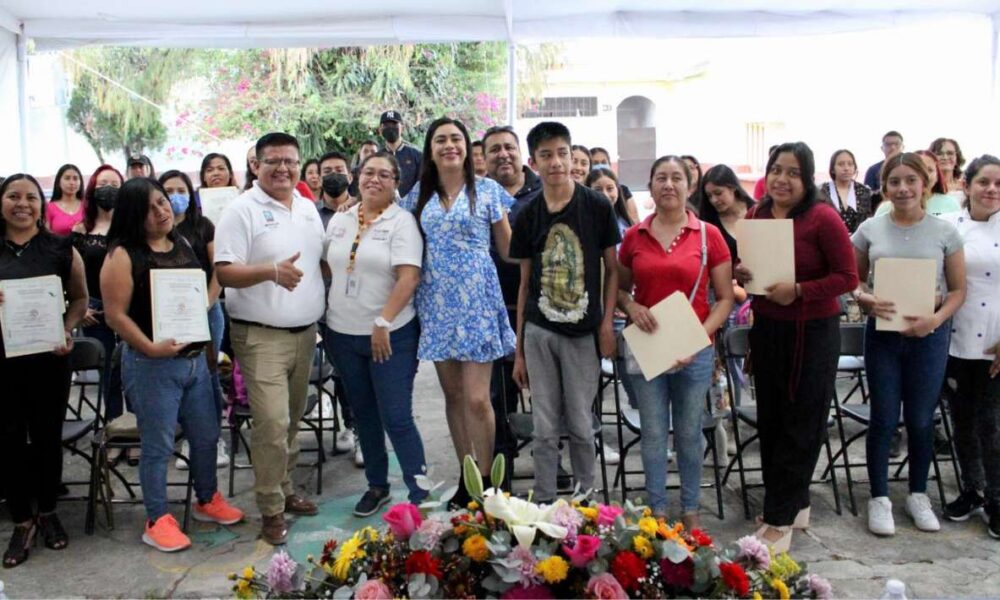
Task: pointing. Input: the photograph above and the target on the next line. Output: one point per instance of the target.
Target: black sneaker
(564, 481)
(967, 504)
(993, 510)
(369, 504)
(895, 444)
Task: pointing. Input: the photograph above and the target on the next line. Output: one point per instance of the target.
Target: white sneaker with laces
(611, 456)
(918, 506)
(345, 440)
(359, 459)
(222, 456)
(186, 451)
(880, 516)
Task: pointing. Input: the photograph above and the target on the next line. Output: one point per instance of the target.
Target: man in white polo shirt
(268, 247)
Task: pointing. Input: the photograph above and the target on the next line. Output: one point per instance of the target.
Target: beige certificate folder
(215, 200)
(767, 248)
(679, 334)
(911, 284)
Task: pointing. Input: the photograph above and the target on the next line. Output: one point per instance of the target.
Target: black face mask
(106, 197)
(335, 184)
(390, 133)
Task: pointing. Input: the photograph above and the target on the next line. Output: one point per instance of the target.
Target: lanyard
(362, 226)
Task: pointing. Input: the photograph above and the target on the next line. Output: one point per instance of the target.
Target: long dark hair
(41, 196)
(720, 176)
(938, 187)
(807, 168)
(619, 204)
(57, 193)
(128, 224)
(90, 207)
(204, 165)
(430, 180)
(193, 212)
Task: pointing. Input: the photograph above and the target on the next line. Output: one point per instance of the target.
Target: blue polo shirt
(409, 159)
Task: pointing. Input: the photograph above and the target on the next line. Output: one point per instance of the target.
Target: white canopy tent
(57, 24)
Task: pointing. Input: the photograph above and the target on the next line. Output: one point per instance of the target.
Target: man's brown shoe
(274, 531)
(297, 505)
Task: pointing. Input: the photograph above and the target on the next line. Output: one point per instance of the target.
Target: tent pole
(22, 95)
(511, 83)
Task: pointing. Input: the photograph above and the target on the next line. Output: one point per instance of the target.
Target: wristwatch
(380, 322)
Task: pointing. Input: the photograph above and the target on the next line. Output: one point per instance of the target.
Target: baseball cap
(390, 116)
(139, 159)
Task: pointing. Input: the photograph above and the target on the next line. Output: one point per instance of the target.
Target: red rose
(735, 578)
(628, 568)
(701, 538)
(421, 561)
(679, 575)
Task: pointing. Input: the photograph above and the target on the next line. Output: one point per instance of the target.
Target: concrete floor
(959, 561)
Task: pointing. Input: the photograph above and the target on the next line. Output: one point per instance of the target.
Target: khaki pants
(276, 366)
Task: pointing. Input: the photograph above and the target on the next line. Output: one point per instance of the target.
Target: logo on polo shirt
(269, 216)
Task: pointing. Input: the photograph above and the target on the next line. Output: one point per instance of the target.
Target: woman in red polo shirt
(795, 340)
(673, 251)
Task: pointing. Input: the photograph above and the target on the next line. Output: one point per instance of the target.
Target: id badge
(352, 286)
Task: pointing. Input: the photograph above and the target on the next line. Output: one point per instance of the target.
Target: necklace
(362, 226)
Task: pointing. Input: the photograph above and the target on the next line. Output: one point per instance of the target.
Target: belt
(192, 352)
(256, 324)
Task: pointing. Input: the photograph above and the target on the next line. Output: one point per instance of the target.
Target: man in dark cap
(139, 165)
(409, 157)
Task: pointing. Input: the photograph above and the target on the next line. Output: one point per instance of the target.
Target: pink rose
(605, 587)
(584, 551)
(607, 514)
(403, 520)
(373, 589)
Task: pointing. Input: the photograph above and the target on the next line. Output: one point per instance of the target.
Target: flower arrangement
(506, 547)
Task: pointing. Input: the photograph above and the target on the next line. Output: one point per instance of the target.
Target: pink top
(59, 222)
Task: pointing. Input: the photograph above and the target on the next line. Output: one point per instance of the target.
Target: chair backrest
(737, 341)
(852, 339)
(87, 355)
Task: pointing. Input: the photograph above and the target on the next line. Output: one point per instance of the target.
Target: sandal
(52, 531)
(132, 457)
(20, 545)
(777, 537)
(801, 519)
(115, 456)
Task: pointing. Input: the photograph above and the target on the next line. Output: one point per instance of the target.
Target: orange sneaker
(166, 535)
(217, 510)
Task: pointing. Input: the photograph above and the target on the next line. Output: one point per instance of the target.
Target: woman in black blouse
(852, 199)
(36, 386)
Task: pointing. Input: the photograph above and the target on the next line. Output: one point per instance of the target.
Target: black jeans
(794, 369)
(35, 391)
(975, 409)
(503, 398)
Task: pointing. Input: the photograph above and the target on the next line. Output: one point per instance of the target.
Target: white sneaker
(186, 451)
(880, 516)
(611, 456)
(345, 440)
(359, 459)
(222, 455)
(918, 506)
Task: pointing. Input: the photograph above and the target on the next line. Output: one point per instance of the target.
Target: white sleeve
(232, 236)
(407, 246)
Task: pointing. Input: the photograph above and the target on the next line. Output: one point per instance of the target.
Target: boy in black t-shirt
(561, 237)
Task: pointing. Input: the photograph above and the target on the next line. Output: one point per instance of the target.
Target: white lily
(524, 518)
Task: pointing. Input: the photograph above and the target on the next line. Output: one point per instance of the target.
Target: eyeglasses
(947, 153)
(383, 175)
(291, 163)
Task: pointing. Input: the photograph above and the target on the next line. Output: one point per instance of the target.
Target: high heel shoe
(802, 519)
(779, 544)
(52, 531)
(20, 545)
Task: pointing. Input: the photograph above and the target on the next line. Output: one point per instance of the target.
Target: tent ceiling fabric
(57, 24)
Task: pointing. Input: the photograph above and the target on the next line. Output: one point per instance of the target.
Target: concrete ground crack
(173, 588)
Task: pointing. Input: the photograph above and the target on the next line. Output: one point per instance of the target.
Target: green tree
(112, 117)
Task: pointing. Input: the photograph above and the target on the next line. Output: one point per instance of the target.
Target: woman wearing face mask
(581, 163)
(852, 199)
(90, 240)
(199, 231)
(66, 208)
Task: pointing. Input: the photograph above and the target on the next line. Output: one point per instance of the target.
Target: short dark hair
(389, 156)
(128, 224)
(500, 129)
(305, 165)
(57, 189)
(41, 197)
(807, 167)
(545, 131)
(597, 149)
(334, 155)
(939, 143)
(193, 212)
(833, 160)
(892, 133)
(974, 168)
(275, 138)
(477, 143)
(208, 160)
(670, 158)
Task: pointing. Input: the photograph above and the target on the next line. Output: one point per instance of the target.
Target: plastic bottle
(894, 590)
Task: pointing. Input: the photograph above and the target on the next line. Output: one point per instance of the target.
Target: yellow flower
(643, 547)
(351, 550)
(646, 512)
(649, 526)
(475, 548)
(782, 589)
(371, 532)
(757, 596)
(473, 505)
(553, 569)
(243, 591)
(589, 513)
(783, 567)
(247, 573)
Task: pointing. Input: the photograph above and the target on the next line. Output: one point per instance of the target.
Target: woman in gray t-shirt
(906, 368)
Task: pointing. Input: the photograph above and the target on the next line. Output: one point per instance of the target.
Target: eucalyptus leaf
(449, 493)
(450, 545)
(423, 482)
(344, 592)
(673, 552)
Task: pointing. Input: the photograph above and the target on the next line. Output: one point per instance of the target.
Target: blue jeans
(347, 419)
(682, 396)
(908, 372)
(164, 392)
(111, 384)
(381, 398)
(217, 329)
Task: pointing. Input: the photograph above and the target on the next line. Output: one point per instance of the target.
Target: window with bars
(568, 106)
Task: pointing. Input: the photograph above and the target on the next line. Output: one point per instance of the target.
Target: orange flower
(475, 548)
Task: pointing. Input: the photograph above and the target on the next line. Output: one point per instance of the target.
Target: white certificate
(910, 284)
(179, 305)
(215, 200)
(679, 334)
(767, 248)
(32, 315)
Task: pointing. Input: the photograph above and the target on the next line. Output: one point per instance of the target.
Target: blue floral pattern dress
(462, 312)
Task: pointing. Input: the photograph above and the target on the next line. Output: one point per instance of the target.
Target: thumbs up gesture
(286, 274)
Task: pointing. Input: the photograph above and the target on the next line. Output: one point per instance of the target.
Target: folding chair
(87, 356)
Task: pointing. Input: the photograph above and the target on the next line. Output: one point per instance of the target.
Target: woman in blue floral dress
(463, 319)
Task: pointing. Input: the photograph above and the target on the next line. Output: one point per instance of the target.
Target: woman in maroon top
(795, 340)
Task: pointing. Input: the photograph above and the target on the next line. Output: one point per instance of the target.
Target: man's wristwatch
(380, 322)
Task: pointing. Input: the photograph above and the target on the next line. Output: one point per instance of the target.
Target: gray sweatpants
(563, 375)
